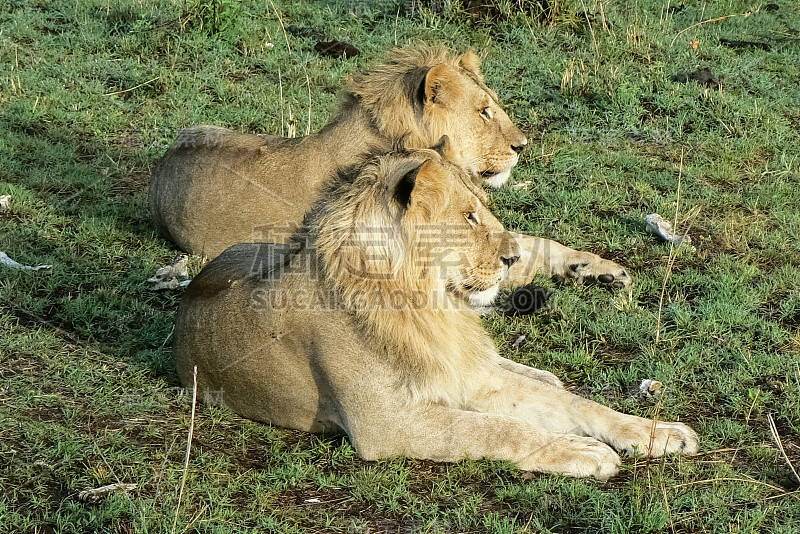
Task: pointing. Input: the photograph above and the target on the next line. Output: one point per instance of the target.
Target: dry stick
(188, 449)
(132, 88)
(672, 252)
(746, 14)
(774, 430)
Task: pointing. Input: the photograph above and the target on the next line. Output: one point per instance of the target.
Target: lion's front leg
(445, 434)
(551, 258)
(557, 410)
(536, 374)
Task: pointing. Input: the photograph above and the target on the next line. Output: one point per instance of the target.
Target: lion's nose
(519, 145)
(509, 260)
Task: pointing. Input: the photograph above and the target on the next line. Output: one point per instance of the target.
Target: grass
(92, 92)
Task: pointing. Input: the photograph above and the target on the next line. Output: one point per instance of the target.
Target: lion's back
(214, 186)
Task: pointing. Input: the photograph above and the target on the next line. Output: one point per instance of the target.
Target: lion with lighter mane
(363, 326)
(216, 187)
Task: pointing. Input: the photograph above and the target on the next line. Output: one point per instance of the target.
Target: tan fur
(215, 187)
(364, 328)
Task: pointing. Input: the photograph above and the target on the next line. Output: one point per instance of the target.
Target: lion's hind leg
(444, 434)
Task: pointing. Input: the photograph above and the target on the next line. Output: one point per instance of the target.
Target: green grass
(89, 395)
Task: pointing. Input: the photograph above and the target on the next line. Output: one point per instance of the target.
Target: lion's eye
(487, 113)
(470, 217)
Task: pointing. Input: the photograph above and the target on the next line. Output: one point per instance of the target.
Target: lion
(215, 187)
(365, 326)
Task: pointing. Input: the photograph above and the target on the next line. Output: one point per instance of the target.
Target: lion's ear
(470, 61)
(404, 187)
(430, 192)
(436, 83)
(445, 148)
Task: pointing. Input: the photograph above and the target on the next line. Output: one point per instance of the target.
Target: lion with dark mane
(375, 337)
(216, 187)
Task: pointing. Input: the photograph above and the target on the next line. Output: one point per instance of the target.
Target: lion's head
(414, 222)
(422, 94)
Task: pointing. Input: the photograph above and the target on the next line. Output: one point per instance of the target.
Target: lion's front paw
(576, 456)
(674, 437)
(591, 268)
(666, 438)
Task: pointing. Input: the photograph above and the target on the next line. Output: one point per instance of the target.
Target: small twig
(188, 450)
(774, 431)
(132, 88)
(747, 14)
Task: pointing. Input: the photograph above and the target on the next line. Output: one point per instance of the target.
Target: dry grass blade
(653, 428)
(783, 493)
(774, 431)
(669, 509)
(188, 449)
(745, 14)
(672, 252)
(308, 84)
(280, 88)
(132, 88)
(280, 20)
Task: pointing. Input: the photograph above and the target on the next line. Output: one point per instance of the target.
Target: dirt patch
(702, 76)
